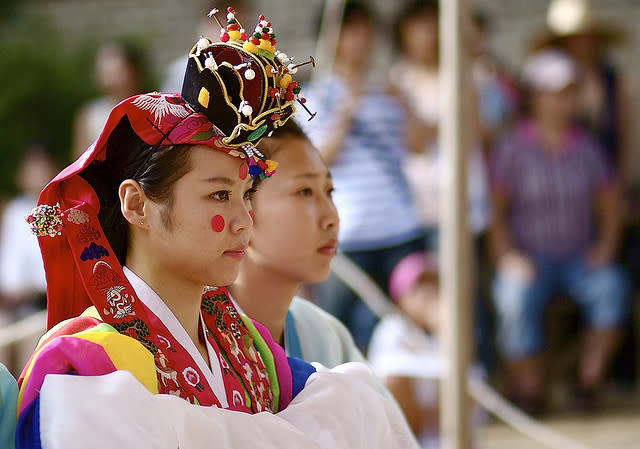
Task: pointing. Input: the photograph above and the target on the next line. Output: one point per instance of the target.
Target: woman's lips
(238, 253)
(329, 249)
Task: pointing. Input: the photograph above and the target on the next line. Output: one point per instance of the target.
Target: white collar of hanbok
(151, 299)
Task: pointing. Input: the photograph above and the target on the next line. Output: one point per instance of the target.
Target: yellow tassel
(271, 165)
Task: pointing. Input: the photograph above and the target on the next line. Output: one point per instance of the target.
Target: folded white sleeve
(338, 409)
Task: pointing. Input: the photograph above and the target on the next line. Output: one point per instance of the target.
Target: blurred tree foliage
(42, 83)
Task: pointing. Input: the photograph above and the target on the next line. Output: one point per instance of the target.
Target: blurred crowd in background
(551, 185)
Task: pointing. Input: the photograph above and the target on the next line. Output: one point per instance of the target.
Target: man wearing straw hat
(604, 95)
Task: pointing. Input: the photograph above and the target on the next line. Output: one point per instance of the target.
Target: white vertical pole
(455, 243)
(327, 42)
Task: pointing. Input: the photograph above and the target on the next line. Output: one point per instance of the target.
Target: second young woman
(293, 243)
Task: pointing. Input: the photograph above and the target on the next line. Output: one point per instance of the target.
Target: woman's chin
(318, 275)
(222, 279)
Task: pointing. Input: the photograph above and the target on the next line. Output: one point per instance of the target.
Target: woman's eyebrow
(219, 180)
(312, 175)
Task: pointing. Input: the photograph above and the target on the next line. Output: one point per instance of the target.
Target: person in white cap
(556, 229)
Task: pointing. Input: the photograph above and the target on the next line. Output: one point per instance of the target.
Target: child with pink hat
(405, 351)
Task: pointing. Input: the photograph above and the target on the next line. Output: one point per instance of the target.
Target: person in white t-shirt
(22, 279)
(405, 352)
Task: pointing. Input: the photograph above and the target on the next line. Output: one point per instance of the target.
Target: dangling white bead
(203, 43)
(210, 63)
(247, 110)
(248, 149)
(249, 74)
(292, 69)
(230, 16)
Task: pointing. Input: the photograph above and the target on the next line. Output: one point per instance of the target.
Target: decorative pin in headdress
(46, 220)
(234, 30)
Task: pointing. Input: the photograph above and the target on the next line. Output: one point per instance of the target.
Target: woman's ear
(132, 202)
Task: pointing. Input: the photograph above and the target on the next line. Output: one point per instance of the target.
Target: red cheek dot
(244, 170)
(217, 223)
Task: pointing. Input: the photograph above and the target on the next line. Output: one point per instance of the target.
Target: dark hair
(412, 10)
(155, 168)
(269, 145)
(353, 11)
(134, 53)
(480, 19)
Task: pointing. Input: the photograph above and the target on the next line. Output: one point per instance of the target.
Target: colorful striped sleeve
(288, 374)
(82, 346)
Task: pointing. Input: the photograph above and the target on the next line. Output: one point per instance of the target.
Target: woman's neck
(122, 92)
(265, 296)
(429, 64)
(352, 74)
(182, 297)
(587, 62)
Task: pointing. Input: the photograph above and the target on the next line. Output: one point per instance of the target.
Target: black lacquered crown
(243, 85)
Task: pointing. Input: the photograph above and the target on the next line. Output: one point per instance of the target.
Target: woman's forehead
(207, 154)
(207, 162)
(299, 155)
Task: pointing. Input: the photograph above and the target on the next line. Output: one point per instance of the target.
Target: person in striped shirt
(361, 132)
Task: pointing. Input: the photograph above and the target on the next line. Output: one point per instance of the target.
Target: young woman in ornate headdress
(132, 233)
(148, 216)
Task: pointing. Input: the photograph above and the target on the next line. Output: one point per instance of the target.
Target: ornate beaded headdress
(243, 83)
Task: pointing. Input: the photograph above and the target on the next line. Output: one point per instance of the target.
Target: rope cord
(363, 286)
